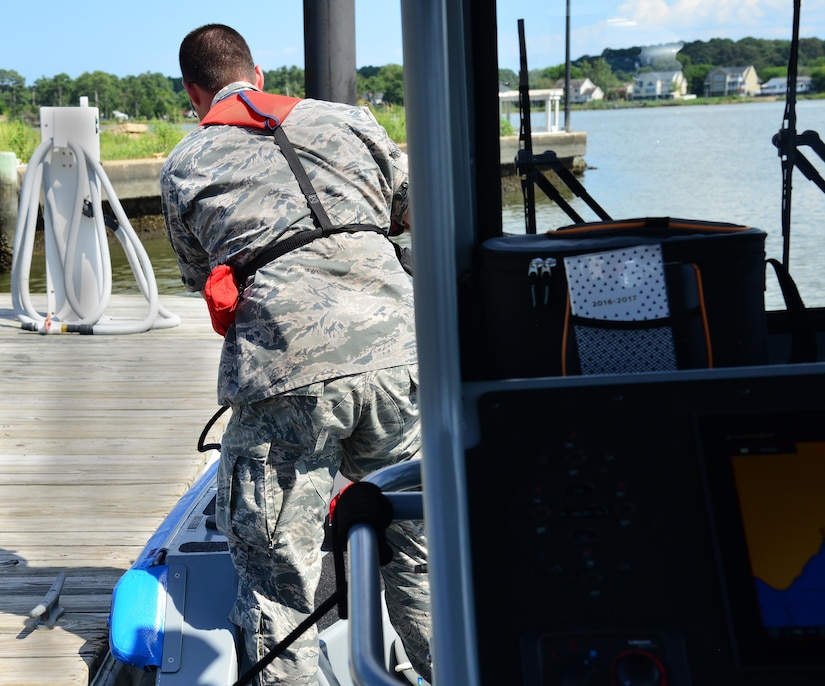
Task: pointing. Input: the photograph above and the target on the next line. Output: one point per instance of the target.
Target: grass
(115, 144)
(119, 144)
(158, 141)
(19, 138)
(394, 120)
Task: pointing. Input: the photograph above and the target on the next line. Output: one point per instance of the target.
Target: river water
(714, 162)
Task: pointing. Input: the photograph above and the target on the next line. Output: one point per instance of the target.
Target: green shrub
(19, 138)
(394, 120)
(168, 135)
(157, 142)
(22, 140)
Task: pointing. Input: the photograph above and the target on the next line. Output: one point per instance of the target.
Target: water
(164, 267)
(715, 163)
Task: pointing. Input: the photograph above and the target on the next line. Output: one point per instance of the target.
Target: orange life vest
(257, 110)
(267, 111)
(251, 108)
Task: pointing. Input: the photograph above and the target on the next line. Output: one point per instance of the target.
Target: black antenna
(787, 137)
(527, 164)
(525, 135)
(788, 143)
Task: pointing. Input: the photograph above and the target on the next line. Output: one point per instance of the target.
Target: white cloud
(704, 19)
(599, 24)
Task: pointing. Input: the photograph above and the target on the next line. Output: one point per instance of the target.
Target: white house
(582, 91)
(778, 85)
(732, 81)
(660, 85)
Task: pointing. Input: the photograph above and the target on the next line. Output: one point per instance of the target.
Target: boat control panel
(664, 531)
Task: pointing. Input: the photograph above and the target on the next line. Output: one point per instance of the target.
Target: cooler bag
(628, 296)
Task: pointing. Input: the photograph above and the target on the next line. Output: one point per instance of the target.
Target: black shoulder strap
(319, 214)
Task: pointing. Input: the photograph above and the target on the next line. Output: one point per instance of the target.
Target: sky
(49, 37)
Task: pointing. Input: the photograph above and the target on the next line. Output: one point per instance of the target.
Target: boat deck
(98, 440)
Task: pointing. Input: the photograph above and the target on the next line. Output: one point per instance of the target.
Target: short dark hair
(215, 55)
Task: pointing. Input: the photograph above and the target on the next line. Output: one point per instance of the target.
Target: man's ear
(189, 88)
(201, 100)
(259, 78)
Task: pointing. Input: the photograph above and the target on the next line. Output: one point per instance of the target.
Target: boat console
(662, 528)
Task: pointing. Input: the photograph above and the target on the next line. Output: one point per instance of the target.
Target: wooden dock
(98, 440)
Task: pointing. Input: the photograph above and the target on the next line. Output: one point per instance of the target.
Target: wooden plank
(21, 542)
(78, 635)
(17, 672)
(74, 604)
(98, 440)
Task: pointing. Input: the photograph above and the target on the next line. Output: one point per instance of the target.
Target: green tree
(156, 97)
(695, 75)
(768, 73)
(624, 61)
(811, 51)
(549, 77)
(600, 73)
(286, 81)
(56, 91)
(388, 80)
(393, 77)
(508, 79)
(753, 51)
(101, 88)
(130, 96)
(818, 79)
(12, 91)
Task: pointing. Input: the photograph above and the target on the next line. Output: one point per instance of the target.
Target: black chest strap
(323, 225)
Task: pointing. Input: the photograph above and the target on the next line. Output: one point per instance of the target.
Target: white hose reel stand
(78, 269)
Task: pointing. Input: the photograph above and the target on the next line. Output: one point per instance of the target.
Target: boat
(168, 623)
(609, 529)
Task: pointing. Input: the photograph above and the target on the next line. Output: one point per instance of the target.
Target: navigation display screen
(781, 491)
(766, 480)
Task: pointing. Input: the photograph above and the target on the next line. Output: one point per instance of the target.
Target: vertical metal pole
(567, 70)
(9, 191)
(439, 156)
(329, 50)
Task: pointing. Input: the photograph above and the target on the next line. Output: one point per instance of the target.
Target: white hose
(157, 316)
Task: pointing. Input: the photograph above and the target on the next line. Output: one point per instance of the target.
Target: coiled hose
(157, 317)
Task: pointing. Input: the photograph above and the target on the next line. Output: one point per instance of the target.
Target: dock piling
(9, 192)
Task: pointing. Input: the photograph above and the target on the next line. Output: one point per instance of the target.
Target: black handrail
(366, 635)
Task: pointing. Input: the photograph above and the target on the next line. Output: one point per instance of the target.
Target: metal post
(567, 70)
(8, 207)
(329, 50)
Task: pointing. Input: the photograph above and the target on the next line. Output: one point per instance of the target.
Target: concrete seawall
(139, 179)
(137, 182)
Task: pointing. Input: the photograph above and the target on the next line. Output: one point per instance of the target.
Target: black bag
(709, 312)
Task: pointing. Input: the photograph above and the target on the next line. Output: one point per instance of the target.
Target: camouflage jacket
(337, 306)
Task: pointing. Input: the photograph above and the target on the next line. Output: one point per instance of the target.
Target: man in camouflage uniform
(320, 365)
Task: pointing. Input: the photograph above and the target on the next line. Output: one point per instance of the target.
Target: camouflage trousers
(279, 458)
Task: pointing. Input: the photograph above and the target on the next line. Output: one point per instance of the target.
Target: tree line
(155, 96)
(612, 69)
